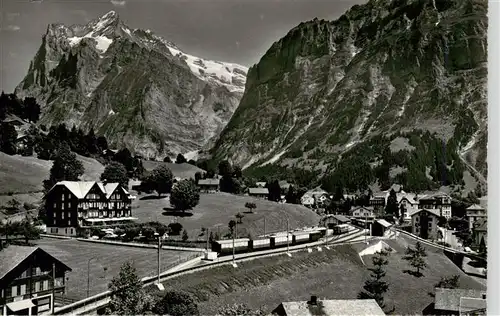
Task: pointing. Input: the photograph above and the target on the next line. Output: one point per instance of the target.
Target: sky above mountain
(237, 31)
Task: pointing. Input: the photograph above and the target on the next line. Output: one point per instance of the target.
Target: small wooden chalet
(208, 185)
(262, 193)
(380, 227)
(29, 276)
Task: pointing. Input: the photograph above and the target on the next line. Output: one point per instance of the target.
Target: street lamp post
(88, 276)
(158, 283)
(234, 233)
(287, 238)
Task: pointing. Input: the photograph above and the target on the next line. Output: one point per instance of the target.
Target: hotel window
(69, 204)
(69, 222)
(23, 289)
(46, 284)
(62, 215)
(37, 286)
(14, 291)
(41, 286)
(62, 198)
(55, 205)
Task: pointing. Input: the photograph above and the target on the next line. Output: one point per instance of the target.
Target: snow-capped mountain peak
(107, 28)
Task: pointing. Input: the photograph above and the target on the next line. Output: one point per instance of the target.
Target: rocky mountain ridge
(132, 86)
(381, 76)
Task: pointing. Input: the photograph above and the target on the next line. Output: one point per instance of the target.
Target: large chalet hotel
(75, 207)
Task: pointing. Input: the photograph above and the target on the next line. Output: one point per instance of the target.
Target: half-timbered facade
(74, 206)
(29, 279)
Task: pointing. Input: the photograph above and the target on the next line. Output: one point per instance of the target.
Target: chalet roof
(432, 211)
(12, 256)
(449, 299)
(258, 191)
(208, 182)
(355, 208)
(468, 304)
(475, 207)
(110, 188)
(384, 223)
(332, 307)
(81, 188)
(434, 195)
(409, 196)
(339, 218)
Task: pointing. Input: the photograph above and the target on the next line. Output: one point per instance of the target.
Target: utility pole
(159, 246)
(287, 238)
(264, 226)
(53, 287)
(158, 284)
(234, 234)
(366, 222)
(208, 239)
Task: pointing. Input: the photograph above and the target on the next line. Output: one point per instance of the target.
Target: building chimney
(314, 300)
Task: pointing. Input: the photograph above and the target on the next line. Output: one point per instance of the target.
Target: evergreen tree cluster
(231, 177)
(429, 163)
(27, 109)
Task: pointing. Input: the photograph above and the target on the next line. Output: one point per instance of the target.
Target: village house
(29, 276)
(362, 212)
(262, 193)
(458, 302)
(407, 204)
(109, 153)
(330, 221)
(377, 201)
(438, 201)
(329, 308)
(74, 207)
(480, 233)
(424, 223)
(314, 198)
(475, 212)
(208, 185)
(380, 227)
(284, 185)
(22, 142)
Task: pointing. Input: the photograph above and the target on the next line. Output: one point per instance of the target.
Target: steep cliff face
(383, 70)
(132, 86)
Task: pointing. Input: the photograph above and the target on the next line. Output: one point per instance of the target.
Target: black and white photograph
(244, 157)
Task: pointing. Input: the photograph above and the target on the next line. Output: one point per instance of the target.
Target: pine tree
(392, 204)
(376, 287)
(415, 256)
(128, 296)
(65, 167)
